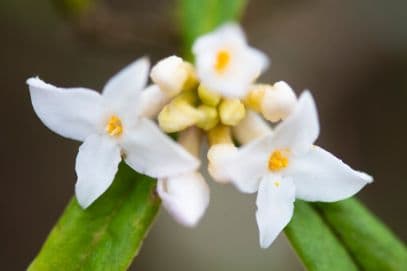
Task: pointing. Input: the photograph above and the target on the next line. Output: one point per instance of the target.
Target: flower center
(222, 60)
(114, 126)
(278, 160)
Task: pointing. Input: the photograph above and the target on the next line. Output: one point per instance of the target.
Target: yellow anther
(231, 111)
(278, 160)
(277, 184)
(207, 96)
(114, 126)
(222, 60)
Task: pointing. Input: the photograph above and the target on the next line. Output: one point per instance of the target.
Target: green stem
(370, 242)
(315, 243)
(107, 235)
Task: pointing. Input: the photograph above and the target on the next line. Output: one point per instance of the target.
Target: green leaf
(315, 243)
(107, 235)
(371, 243)
(197, 17)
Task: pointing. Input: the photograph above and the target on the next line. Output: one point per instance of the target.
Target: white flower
(225, 63)
(111, 125)
(286, 165)
(185, 196)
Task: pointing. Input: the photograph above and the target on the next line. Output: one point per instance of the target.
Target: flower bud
(217, 154)
(278, 102)
(251, 127)
(178, 115)
(152, 101)
(172, 75)
(208, 97)
(231, 111)
(209, 118)
(254, 98)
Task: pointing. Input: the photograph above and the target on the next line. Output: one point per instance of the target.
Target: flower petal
(300, 129)
(275, 205)
(151, 152)
(73, 112)
(249, 164)
(123, 90)
(320, 176)
(96, 167)
(185, 196)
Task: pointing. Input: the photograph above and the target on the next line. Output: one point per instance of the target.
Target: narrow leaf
(200, 16)
(371, 243)
(315, 243)
(108, 234)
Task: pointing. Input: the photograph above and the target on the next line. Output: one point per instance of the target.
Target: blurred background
(351, 54)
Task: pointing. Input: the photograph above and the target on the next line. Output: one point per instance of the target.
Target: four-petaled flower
(225, 63)
(286, 165)
(112, 126)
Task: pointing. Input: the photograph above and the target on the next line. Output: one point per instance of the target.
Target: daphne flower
(286, 165)
(185, 196)
(112, 126)
(225, 63)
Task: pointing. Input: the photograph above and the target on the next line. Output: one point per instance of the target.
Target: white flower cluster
(217, 100)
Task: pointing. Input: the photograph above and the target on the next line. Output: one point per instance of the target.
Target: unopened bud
(278, 102)
(208, 97)
(177, 116)
(209, 118)
(231, 111)
(217, 155)
(152, 101)
(254, 98)
(172, 75)
(251, 127)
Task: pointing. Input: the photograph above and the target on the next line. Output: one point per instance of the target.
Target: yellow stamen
(114, 126)
(222, 60)
(277, 160)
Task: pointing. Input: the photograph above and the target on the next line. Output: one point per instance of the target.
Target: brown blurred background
(351, 54)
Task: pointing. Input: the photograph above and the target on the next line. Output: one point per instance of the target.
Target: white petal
(249, 164)
(320, 176)
(230, 33)
(73, 112)
(122, 91)
(153, 153)
(130, 79)
(185, 196)
(96, 166)
(275, 205)
(300, 130)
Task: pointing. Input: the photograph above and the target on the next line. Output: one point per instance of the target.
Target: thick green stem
(370, 242)
(315, 243)
(107, 235)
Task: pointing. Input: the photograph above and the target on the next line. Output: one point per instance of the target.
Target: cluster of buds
(205, 96)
